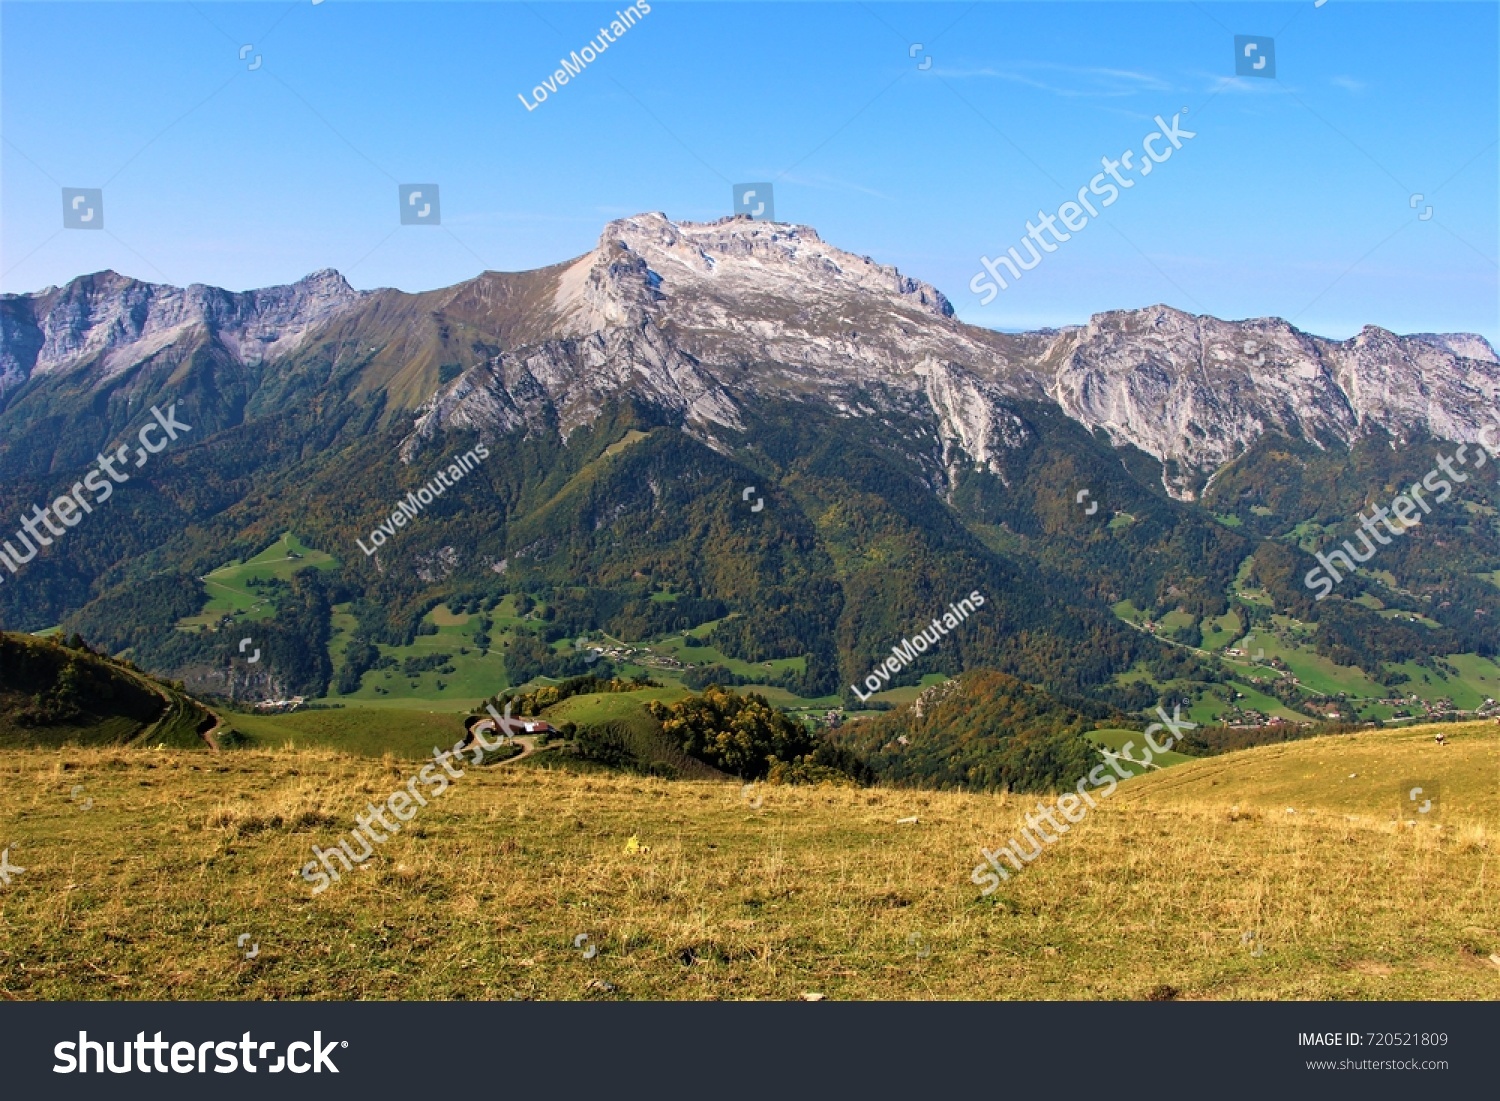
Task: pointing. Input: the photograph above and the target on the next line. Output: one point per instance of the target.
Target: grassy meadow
(1115, 741)
(228, 591)
(362, 731)
(1293, 871)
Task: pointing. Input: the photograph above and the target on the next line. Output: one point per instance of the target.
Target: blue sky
(1294, 199)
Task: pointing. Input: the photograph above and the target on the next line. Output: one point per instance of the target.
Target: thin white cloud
(1244, 85)
(1348, 83)
(820, 182)
(1068, 81)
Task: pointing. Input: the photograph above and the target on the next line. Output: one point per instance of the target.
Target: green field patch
(1480, 677)
(228, 592)
(444, 616)
(363, 731)
(623, 717)
(1244, 589)
(112, 730)
(1206, 708)
(603, 707)
(780, 697)
(1256, 700)
(467, 676)
(509, 608)
(1222, 630)
(1317, 672)
(909, 692)
(1410, 617)
(458, 681)
(1114, 739)
(998, 539)
(675, 647)
(1478, 680)
(635, 435)
(1136, 674)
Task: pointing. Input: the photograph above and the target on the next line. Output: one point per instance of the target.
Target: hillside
(615, 730)
(1269, 874)
(797, 454)
(53, 694)
(979, 731)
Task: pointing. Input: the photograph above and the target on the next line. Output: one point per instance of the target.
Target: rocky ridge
(700, 319)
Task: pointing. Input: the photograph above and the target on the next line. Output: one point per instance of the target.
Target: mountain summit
(699, 317)
(636, 398)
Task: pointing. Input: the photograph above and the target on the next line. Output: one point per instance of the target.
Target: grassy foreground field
(365, 731)
(1196, 882)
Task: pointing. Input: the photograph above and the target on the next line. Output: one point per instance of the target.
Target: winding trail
(1112, 756)
(527, 742)
(174, 704)
(528, 748)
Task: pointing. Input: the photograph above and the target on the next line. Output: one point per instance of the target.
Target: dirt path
(527, 742)
(173, 704)
(528, 748)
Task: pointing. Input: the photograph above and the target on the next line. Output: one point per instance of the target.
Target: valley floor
(1285, 872)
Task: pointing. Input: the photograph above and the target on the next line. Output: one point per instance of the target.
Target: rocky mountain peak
(704, 317)
(108, 323)
(1196, 391)
(701, 268)
(1468, 345)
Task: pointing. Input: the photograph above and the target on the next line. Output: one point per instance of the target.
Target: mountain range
(637, 398)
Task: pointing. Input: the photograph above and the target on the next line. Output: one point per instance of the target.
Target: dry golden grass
(484, 893)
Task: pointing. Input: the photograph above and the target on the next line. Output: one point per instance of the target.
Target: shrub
(741, 735)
